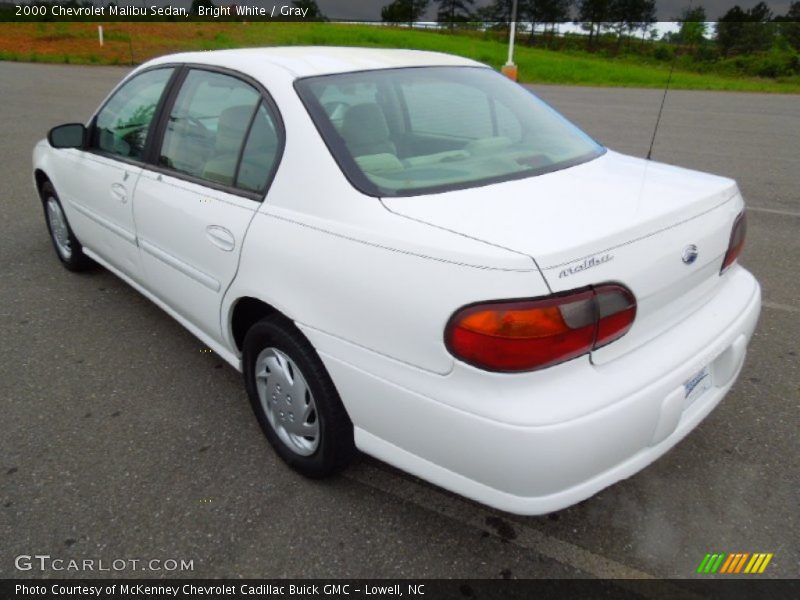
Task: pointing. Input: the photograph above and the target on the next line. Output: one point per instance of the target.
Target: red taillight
(523, 335)
(737, 241)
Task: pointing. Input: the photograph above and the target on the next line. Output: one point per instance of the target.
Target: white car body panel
(614, 210)
(365, 289)
(521, 445)
(293, 62)
(190, 238)
(576, 212)
(97, 194)
(372, 283)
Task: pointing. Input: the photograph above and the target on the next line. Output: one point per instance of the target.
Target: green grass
(535, 65)
(545, 66)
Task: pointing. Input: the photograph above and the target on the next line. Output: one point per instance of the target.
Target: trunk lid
(614, 219)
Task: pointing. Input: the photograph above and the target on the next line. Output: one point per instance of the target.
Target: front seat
(365, 131)
(231, 129)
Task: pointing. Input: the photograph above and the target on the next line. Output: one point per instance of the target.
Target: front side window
(123, 124)
(410, 131)
(208, 131)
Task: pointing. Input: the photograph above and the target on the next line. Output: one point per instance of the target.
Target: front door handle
(221, 237)
(119, 192)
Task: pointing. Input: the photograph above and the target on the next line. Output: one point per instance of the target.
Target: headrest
(364, 124)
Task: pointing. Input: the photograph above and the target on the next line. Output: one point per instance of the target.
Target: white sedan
(406, 253)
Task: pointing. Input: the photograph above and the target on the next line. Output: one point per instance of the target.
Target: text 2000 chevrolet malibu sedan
(406, 253)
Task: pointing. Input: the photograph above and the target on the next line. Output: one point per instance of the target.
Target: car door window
(260, 152)
(123, 124)
(207, 126)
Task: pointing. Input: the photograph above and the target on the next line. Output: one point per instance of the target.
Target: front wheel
(295, 400)
(67, 247)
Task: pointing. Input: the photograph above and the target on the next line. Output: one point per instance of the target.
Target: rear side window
(221, 130)
(260, 152)
(207, 126)
(123, 124)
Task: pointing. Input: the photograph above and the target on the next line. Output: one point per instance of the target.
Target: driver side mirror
(71, 135)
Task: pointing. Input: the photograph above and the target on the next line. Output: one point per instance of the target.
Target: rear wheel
(67, 247)
(295, 400)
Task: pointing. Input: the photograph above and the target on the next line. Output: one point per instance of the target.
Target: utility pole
(510, 69)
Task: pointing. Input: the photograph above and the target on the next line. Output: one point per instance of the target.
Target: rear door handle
(221, 237)
(119, 192)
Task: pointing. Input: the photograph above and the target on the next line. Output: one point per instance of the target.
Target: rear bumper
(536, 445)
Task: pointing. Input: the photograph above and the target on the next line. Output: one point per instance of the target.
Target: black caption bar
(407, 11)
(362, 589)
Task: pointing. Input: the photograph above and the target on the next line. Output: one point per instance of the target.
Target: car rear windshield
(412, 131)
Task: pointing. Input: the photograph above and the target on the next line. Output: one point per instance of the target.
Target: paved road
(119, 438)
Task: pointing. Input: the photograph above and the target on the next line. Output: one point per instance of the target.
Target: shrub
(664, 53)
(775, 63)
(778, 62)
(705, 53)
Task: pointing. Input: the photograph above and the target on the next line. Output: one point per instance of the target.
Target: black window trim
(348, 166)
(164, 110)
(155, 134)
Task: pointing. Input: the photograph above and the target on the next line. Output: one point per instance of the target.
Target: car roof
(307, 61)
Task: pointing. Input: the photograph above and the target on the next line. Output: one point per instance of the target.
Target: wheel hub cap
(58, 228)
(287, 401)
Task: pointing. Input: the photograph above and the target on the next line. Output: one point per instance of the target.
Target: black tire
(335, 448)
(76, 260)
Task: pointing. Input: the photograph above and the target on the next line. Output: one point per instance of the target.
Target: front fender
(40, 161)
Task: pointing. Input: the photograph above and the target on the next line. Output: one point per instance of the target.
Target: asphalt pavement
(121, 439)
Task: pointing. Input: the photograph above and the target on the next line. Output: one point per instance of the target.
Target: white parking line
(475, 516)
(524, 536)
(778, 306)
(774, 211)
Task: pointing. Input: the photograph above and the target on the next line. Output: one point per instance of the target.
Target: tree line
(738, 31)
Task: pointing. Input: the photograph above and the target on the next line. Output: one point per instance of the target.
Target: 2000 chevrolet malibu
(407, 254)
